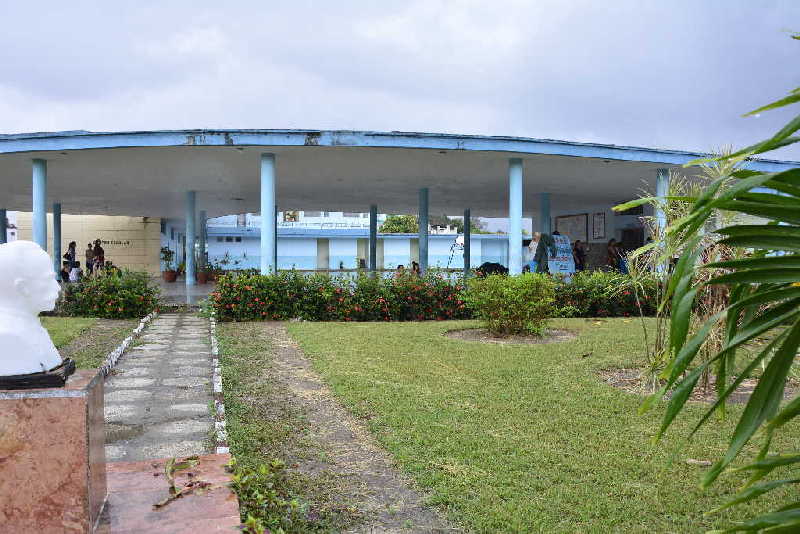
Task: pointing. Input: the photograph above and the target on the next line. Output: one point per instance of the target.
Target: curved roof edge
(83, 140)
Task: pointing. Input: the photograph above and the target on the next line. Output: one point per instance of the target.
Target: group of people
(401, 270)
(94, 255)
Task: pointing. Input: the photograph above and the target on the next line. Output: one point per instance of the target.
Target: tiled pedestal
(52, 459)
(134, 487)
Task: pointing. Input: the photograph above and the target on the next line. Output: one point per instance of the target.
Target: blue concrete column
(545, 225)
(514, 216)
(268, 224)
(191, 236)
(662, 187)
(57, 240)
(467, 237)
(423, 230)
(3, 226)
(373, 238)
(201, 220)
(40, 202)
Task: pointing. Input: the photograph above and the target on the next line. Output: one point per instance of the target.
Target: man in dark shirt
(99, 255)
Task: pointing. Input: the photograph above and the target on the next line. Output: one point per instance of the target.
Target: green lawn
(263, 424)
(87, 340)
(523, 438)
(63, 330)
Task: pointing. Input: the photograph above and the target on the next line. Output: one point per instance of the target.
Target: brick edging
(113, 357)
(220, 432)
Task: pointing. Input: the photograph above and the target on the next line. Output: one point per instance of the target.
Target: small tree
(400, 224)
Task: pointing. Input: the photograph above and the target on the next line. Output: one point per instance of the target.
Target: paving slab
(159, 398)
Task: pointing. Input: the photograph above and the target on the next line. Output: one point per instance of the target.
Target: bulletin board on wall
(574, 226)
(599, 225)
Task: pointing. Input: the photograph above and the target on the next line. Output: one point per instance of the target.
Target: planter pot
(170, 276)
(202, 278)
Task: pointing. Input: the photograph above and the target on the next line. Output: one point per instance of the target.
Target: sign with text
(562, 262)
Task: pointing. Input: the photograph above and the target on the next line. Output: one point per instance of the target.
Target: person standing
(99, 256)
(611, 254)
(89, 258)
(70, 255)
(622, 258)
(579, 255)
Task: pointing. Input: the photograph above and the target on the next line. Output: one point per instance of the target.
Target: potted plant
(202, 274)
(168, 257)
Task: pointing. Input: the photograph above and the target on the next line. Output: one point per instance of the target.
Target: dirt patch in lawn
(634, 381)
(482, 335)
(90, 348)
(387, 500)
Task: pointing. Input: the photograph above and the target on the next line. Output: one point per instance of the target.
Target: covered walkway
(194, 174)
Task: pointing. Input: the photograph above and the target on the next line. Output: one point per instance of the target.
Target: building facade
(129, 242)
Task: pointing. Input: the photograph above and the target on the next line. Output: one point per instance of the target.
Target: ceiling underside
(152, 181)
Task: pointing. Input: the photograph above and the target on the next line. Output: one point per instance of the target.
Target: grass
(526, 438)
(63, 330)
(87, 340)
(263, 425)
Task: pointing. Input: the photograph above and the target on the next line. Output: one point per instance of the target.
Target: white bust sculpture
(27, 286)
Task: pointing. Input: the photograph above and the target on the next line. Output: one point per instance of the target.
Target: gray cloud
(673, 74)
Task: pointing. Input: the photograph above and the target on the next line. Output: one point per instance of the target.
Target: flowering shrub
(111, 295)
(247, 296)
(289, 294)
(512, 304)
(605, 294)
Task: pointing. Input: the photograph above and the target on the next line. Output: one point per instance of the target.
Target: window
(312, 214)
(163, 226)
(238, 239)
(228, 239)
(348, 214)
(172, 234)
(219, 239)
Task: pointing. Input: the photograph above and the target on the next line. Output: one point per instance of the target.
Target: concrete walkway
(158, 398)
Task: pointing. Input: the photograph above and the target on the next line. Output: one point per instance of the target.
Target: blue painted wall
(300, 251)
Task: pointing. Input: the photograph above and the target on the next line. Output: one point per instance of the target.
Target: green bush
(111, 295)
(289, 295)
(605, 294)
(265, 501)
(513, 304)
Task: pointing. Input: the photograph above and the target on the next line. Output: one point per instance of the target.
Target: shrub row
(289, 295)
(247, 296)
(111, 295)
(605, 294)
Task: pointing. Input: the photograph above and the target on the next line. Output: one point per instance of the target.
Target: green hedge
(111, 295)
(248, 296)
(605, 294)
(513, 304)
(289, 295)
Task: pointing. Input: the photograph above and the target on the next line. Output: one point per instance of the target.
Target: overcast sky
(671, 74)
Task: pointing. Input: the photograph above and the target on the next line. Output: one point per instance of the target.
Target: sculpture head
(27, 281)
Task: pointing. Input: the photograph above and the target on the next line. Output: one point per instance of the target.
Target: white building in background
(319, 220)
